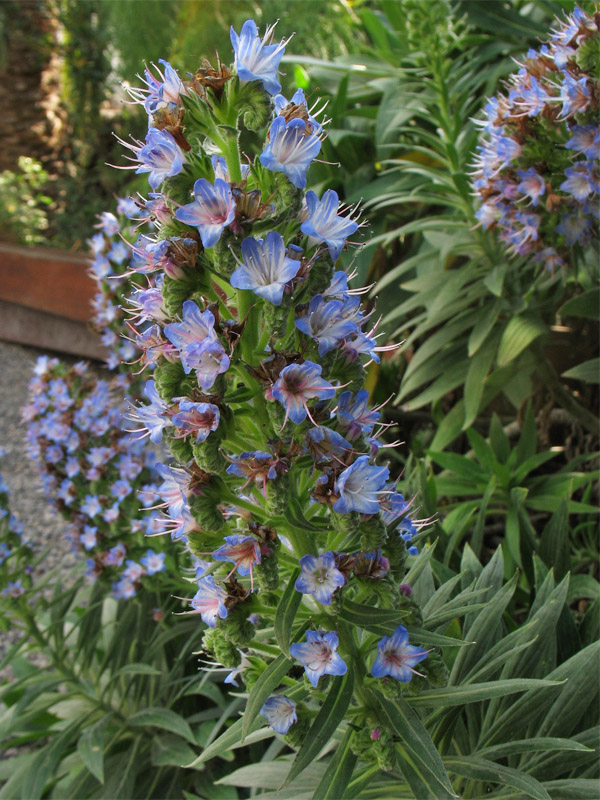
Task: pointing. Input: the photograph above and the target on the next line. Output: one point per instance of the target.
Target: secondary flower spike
(319, 656)
(396, 657)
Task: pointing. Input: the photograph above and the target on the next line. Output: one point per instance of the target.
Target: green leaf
(584, 305)
(339, 771)
(91, 747)
(264, 686)
(574, 788)
(475, 692)
(286, 612)
(371, 618)
(479, 366)
(162, 718)
(325, 723)
(519, 333)
(229, 740)
(588, 371)
(534, 745)
(418, 756)
(459, 465)
(488, 315)
(138, 668)
(555, 547)
(479, 769)
(170, 751)
(495, 280)
(583, 586)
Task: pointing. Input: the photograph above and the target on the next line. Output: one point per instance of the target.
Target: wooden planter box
(45, 298)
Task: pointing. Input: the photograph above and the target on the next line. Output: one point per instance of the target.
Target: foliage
(119, 706)
(22, 213)
(478, 325)
(516, 718)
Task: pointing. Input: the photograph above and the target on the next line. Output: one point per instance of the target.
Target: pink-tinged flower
(324, 224)
(209, 601)
(255, 58)
(531, 184)
(586, 140)
(580, 181)
(243, 551)
(196, 418)
(325, 321)
(158, 92)
(396, 657)
(160, 157)
(359, 486)
(133, 571)
(173, 489)
(212, 210)
(198, 346)
(290, 150)
(265, 268)
(298, 383)
(320, 577)
(280, 713)
(319, 656)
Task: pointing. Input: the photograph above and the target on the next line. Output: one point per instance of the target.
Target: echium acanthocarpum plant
(538, 168)
(15, 549)
(258, 389)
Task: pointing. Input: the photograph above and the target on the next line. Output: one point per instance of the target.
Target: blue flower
(198, 346)
(290, 150)
(575, 95)
(574, 227)
(154, 417)
(280, 713)
(209, 601)
(153, 562)
(358, 487)
(298, 383)
(396, 657)
(319, 656)
(580, 181)
(586, 140)
(212, 210)
(160, 157)
(353, 413)
(298, 99)
(531, 184)
(325, 225)
(320, 577)
(325, 323)
(265, 268)
(198, 418)
(243, 551)
(255, 58)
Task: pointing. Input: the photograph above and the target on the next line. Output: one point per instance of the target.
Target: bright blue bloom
(121, 489)
(575, 95)
(255, 58)
(325, 225)
(290, 150)
(91, 505)
(212, 210)
(358, 487)
(198, 418)
(160, 157)
(325, 323)
(298, 383)
(320, 577)
(324, 442)
(89, 537)
(396, 657)
(123, 589)
(265, 268)
(319, 656)
(172, 490)
(209, 601)
(280, 713)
